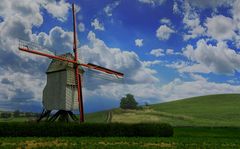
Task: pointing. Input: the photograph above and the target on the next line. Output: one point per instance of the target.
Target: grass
(220, 113)
(211, 110)
(185, 137)
(98, 117)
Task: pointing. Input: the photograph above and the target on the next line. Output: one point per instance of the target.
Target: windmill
(64, 79)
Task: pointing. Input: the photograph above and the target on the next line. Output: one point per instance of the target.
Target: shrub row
(85, 129)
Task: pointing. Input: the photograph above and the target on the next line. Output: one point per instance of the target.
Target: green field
(212, 110)
(201, 122)
(199, 137)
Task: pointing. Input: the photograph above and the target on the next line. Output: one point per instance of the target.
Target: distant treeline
(17, 129)
(17, 113)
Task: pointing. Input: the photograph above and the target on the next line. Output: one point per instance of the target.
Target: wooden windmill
(63, 91)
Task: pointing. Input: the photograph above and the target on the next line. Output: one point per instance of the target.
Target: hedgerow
(86, 129)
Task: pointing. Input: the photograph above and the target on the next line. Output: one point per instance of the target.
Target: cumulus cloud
(114, 58)
(210, 4)
(192, 23)
(81, 27)
(57, 40)
(188, 67)
(165, 21)
(58, 9)
(110, 7)
(17, 84)
(97, 25)
(176, 9)
(236, 13)
(164, 32)
(157, 52)
(151, 63)
(176, 89)
(221, 28)
(139, 42)
(218, 59)
(152, 2)
(170, 51)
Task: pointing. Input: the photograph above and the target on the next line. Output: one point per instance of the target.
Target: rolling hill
(211, 110)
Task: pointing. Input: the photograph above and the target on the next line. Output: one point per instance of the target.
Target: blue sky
(167, 49)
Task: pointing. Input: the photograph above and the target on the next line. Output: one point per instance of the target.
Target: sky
(167, 49)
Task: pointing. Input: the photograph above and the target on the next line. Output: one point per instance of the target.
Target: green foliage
(128, 102)
(184, 137)
(5, 115)
(85, 129)
(146, 104)
(16, 113)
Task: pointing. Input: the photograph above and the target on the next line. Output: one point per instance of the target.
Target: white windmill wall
(55, 91)
(71, 90)
(60, 92)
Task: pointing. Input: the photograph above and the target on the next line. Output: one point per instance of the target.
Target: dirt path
(109, 117)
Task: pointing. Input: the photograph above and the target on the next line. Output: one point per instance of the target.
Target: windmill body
(60, 92)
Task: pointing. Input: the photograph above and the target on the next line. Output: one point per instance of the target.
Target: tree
(128, 102)
(16, 113)
(5, 115)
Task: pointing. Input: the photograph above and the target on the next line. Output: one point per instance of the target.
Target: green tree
(128, 102)
(5, 115)
(16, 113)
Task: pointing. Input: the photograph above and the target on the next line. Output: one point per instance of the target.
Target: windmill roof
(58, 65)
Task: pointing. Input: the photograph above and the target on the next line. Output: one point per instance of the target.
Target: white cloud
(178, 89)
(29, 13)
(209, 4)
(170, 51)
(81, 27)
(124, 61)
(109, 8)
(176, 9)
(221, 27)
(139, 42)
(164, 32)
(235, 12)
(195, 68)
(20, 82)
(218, 59)
(58, 9)
(157, 52)
(151, 63)
(165, 21)
(97, 25)
(152, 2)
(192, 23)
(57, 40)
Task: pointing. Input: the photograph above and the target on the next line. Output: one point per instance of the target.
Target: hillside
(211, 110)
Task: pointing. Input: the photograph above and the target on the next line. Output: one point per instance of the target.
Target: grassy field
(212, 110)
(185, 137)
(212, 122)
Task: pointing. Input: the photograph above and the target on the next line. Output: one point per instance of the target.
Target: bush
(5, 115)
(85, 129)
(16, 113)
